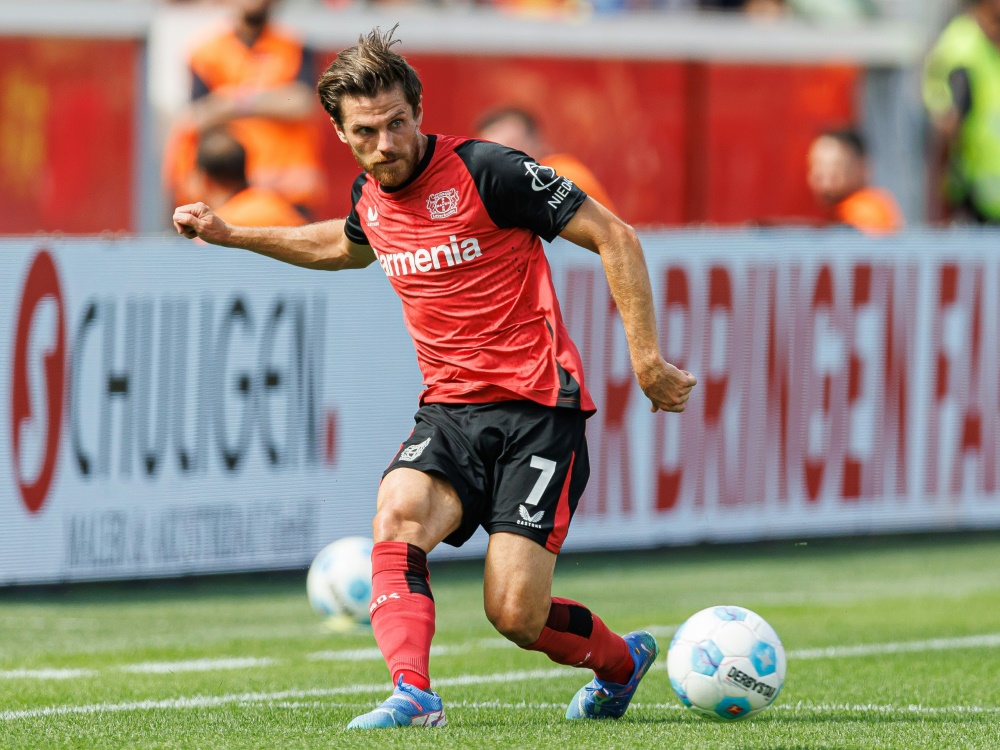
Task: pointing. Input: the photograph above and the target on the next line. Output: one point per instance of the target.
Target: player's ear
(418, 113)
(340, 133)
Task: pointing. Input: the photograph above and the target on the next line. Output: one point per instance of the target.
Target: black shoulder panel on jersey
(519, 192)
(352, 227)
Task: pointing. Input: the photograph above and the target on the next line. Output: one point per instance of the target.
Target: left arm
(600, 231)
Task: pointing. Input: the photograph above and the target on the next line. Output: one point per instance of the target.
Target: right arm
(322, 246)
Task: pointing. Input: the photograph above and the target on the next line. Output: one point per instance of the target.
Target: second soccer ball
(340, 579)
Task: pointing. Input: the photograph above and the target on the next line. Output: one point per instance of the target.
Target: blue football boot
(407, 706)
(606, 700)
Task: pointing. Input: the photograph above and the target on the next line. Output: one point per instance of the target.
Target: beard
(398, 169)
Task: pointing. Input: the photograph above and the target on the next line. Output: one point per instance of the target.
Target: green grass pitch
(892, 643)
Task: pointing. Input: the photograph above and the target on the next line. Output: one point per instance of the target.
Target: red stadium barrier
(672, 142)
(68, 111)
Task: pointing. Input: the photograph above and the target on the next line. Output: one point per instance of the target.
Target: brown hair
(222, 157)
(368, 69)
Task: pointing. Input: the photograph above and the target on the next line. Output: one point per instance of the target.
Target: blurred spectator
(756, 7)
(223, 186)
(962, 95)
(259, 81)
(517, 129)
(838, 178)
(538, 7)
(819, 10)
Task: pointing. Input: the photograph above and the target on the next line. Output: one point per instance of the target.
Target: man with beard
(256, 80)
(499, 442)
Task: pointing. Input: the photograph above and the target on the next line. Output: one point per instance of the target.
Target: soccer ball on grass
(339, 583)
(726, 663)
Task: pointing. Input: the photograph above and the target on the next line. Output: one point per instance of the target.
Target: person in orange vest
(838, 179)
(517, 129)
(257, 80)
(223, 183)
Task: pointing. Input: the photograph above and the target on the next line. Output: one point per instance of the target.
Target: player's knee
(391, 523)
(398, 519)
(519, 622)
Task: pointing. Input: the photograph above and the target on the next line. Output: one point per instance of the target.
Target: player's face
(384, 135)
(834, 171)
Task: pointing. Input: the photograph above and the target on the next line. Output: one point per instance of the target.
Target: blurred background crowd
(815, 9)
(870, 113)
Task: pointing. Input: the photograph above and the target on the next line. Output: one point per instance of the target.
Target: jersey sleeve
(519, 192)
(352, 227)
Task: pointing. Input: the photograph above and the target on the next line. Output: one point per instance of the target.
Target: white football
(340, 579)
(726, 663)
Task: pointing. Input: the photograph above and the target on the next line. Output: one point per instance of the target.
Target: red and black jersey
(459, 242)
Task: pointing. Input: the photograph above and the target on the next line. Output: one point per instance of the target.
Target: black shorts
(517, 466)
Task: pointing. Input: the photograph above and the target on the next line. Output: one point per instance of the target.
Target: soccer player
(499, 439)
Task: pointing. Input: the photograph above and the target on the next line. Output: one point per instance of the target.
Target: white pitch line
(990, 640)
(207, 701)
(46, 674)
(373, 654)
(290, 699)
(197, 665)
(349, 654)
(661, 631)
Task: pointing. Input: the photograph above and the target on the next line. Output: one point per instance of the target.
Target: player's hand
(198, 220)
(665, 386)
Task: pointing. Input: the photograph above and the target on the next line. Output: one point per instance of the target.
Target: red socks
(575, 636)
(402, 611)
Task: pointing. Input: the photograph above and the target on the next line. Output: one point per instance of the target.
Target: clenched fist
(666, 387)
(198, 220)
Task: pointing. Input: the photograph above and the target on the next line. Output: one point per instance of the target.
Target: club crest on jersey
(444, 204)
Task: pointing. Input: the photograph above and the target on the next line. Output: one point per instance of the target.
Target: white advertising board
(169, 408)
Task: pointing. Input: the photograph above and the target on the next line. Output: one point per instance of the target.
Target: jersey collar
(421, 168)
